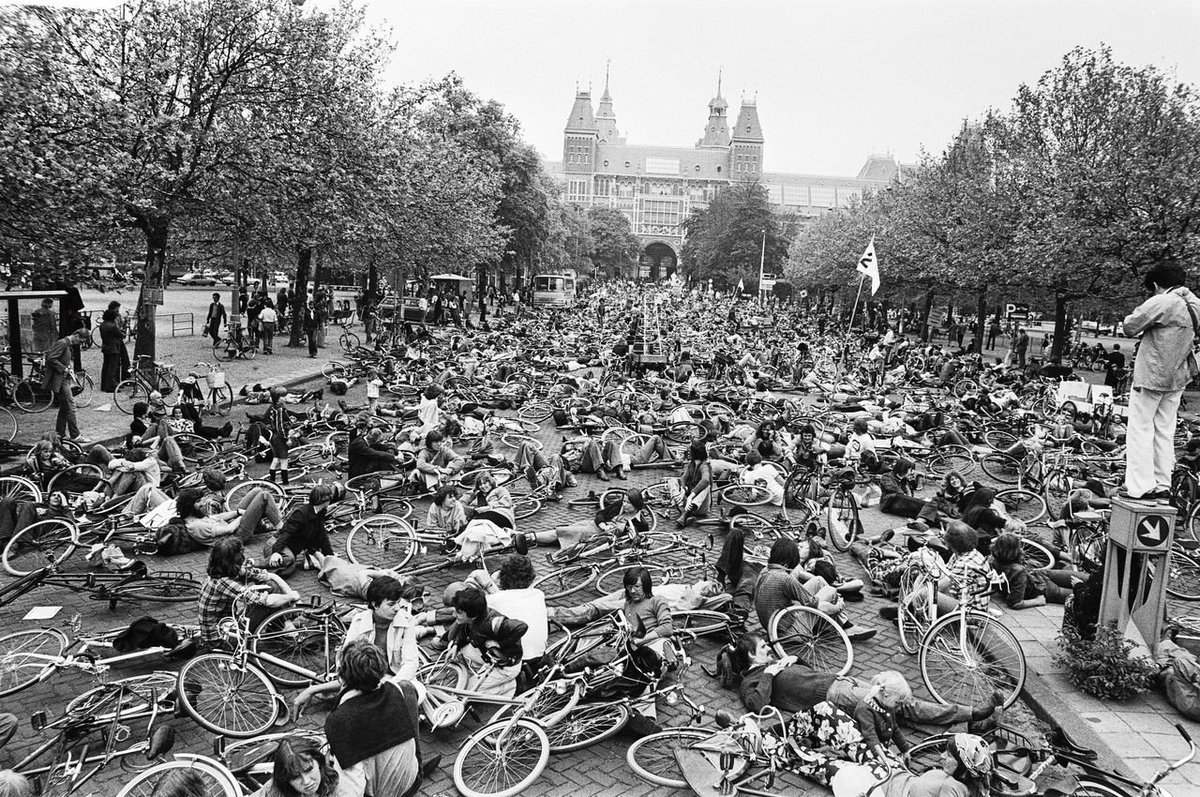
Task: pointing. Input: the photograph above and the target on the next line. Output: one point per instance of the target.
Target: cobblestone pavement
(599, 770)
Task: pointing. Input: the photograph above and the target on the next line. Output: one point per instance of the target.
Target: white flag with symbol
(868, 265)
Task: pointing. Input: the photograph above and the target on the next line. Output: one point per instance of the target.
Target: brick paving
(599, 770)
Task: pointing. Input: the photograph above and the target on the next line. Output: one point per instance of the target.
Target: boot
(284, 473)
(602, 474)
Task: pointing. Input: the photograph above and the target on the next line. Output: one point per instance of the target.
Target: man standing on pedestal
(1168, 323)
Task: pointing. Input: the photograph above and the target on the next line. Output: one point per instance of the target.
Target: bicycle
(29, 657)
(235, 346)
(134, 585)
(219, 396)
(31, 394)
(106, 711)
(148, 377)
(53, 541)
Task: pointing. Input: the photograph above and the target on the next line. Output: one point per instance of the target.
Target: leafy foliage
(1101, 667)
(725, 240)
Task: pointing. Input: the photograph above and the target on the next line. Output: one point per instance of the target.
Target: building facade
(657, 187)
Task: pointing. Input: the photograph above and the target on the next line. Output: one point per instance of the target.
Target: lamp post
(762, 261)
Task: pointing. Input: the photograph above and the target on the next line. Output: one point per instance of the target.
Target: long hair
(292, 757)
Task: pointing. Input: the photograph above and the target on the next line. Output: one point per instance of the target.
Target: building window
(577, 190)
(718, 170)
(697, 167)
(606, 164)
(626, 164)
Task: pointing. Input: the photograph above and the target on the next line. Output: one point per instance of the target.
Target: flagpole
(762, 260)
(853, 310)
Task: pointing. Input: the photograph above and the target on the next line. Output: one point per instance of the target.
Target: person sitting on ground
(490, 520)
(149, 430)
(373, 731)
(860, 448)
(437, 462)
(446, 513)
(1024, 587)
(510, 592)
(484, 636)
(302, 533)
(763, 474)
(369, 454)
(300, 768)
(388, 623)
(897, 496)
(695, 487)
(133, 470)
(607, 520)
(815, 560)
(255, 512)
(966, 577)
(231, 578)
(779, 586)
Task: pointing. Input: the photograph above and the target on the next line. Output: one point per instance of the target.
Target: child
(277, 421)
(373, 385)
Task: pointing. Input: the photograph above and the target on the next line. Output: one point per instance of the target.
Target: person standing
(1021, 346)
(45, 325)
(993, 331)
(112, 342)
(58, 381)
(267, 318)
(215, 318)
(310, 330)
(281, 301)
(123, 324)
(253, 308)
(1168, 323)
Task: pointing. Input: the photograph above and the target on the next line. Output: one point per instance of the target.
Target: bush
(1101, 667)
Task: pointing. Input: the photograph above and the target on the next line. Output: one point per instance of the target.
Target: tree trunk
(980, 320)
(1060, 326)
(925, 313)
(156, 231)
(303, 262)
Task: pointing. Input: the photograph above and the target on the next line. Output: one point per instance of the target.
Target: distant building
(657, 187)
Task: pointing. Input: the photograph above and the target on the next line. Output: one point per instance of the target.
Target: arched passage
(661, 260)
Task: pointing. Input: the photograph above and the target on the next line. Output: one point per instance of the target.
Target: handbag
(1193, 365)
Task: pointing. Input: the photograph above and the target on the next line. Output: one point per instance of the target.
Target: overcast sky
(835, 79)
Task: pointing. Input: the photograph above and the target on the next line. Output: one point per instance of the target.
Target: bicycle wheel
(813, 637)
(525, 506)
(700, 622)
(383, 541)
(565, 581)
(348, 341)
(86, 390)
(951, 458)
(652, 758)
(128, 393)
(746, 495)
(226, 697)
(966, 658)
(193, 446)
(536, 411)
(237, 493)
(160, 588)
(31, 396)
(216, 780)
(1056, 491)
(586, 725)
(19, 488)
(841, 519)
(8, 424)
(24, 655)
(501, 760)
(1020, 504)
(613, 579)
(1001, 467)
(999, 440)
(1184, 580)
(798, 490)
(1036, 556)
(75, 479)
(307, 638)
(46, 542)
(916, 608)
(220, 400)
(1097, 788)
(225, 349)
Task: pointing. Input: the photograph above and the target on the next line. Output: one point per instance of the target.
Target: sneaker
(81, 440)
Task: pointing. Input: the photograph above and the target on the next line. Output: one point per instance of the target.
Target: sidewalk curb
(1045, 703)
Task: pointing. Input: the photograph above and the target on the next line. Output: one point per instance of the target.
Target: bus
(553, 290)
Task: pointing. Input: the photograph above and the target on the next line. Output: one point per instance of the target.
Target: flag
(868, 265)
(741, 286)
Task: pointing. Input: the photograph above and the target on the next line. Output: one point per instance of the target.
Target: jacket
(1165, 325)
(401, 651)
(111, 337)
(304, 530)
(494, 627)
(58, 365)
(364, 458)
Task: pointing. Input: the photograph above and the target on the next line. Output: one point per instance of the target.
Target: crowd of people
(752, 370)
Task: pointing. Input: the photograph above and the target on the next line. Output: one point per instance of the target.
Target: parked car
(225, 277)
(197, 278)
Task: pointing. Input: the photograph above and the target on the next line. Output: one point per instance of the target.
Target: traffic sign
(1152, 530)
(153, 295)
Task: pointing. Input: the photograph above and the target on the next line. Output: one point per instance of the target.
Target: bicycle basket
(215, 379)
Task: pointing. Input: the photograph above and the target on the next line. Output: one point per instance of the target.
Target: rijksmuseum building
(657, 187)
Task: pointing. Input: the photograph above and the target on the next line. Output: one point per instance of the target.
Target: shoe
(226, 429)
(859, 633)
(342, 405)
(889, 612)
(521, 543)
(621, 474)
(81, 440)
(430, 765)
(602, 475)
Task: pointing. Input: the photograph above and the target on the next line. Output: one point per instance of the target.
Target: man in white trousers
(1167, 322)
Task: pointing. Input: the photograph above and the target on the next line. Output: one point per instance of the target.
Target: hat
(974, 753)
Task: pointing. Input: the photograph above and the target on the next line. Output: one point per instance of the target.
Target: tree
(725, 241)
(614, 246)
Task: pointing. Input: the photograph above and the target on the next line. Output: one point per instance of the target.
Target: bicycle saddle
(1061, 738)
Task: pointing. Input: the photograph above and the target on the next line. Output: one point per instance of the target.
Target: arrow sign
(1152, 530)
